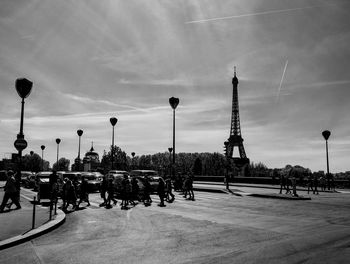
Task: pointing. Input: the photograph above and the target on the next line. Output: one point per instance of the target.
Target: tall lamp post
(80, 133)
(132, 160)
(113, 121)
(170, 164)
(42, 157)
(23, 87)
(58, 141)
(326, 134)
(31, 159)
(173, 103)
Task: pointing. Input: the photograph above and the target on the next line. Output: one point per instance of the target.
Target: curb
(43, 229)
(279, 197)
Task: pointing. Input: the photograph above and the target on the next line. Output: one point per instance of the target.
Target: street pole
(23, 88)
(173, 103)
(58, 141)
(326, 134)
(80, 133)
(42, 157)
(113, 121)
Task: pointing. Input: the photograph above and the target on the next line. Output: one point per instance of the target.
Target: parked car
(29, 182)
(42, 184)
(3, 175)
(93, 181)
(152, 176)
(25, 175)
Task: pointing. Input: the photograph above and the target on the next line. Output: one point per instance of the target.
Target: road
(216, 228)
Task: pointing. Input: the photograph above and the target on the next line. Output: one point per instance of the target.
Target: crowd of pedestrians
(130, 191)
(314, 182)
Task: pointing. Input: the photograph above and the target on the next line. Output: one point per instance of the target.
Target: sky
(92, 60)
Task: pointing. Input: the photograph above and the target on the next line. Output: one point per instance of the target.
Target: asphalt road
(216, 228)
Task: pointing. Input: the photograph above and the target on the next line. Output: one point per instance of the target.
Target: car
(151, 175)
(42, 184)
(25, 175)
(3, 175)
(29, 182)
(118, 172)
(92, 180)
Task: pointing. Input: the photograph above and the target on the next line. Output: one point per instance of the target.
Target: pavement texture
(215, 228)
(16, 225)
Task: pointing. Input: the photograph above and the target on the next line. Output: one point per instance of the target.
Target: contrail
(280, 86)
(252, 14)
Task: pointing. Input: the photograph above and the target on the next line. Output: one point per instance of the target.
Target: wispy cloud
(282, 78)
(252, 14)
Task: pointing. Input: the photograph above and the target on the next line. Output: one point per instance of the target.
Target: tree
(120, 160)
(63, 165)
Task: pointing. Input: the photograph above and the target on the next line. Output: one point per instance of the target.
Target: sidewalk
(16, 225)
(269, 191)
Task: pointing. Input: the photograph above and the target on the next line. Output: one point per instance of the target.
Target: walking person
(315, 183)
(169, 191)
(185, 186)
(190, 187)
(161, 191)
(147, 200)
(71, 197)
(103, 190)
(282, 183)
(110, 197)
(11, 192)
(84, 192)
(310, 183)
(135, 190)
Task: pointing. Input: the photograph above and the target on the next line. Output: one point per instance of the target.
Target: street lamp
(42, 157)
(80, 133)
(132, 161)
(174, 103)
(23, 88)
(58, 141)
(326, 134)
(170, 167)
(31, 159)
(113, 121)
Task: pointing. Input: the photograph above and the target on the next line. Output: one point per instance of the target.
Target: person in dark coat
(103, 190)
(135, 189)
(110, 190)
(169, 191)
(70, 195)
(161, 192)
(84, 192)
(11, 192)
(147, 190)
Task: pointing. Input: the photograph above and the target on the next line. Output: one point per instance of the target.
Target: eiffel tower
(235, 139)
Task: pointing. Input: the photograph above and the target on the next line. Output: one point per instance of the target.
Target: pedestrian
(110, 197)
(84, 192)
(169, 191)
(11, 192)
(135, 189)
(103, 190)
(70, 195)
(315, 183)
(190, 187)
(63, 194)
(147, 200)
(310, 183)
(185, 186)
(282, 182)
(53, 188)
(161, 191)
